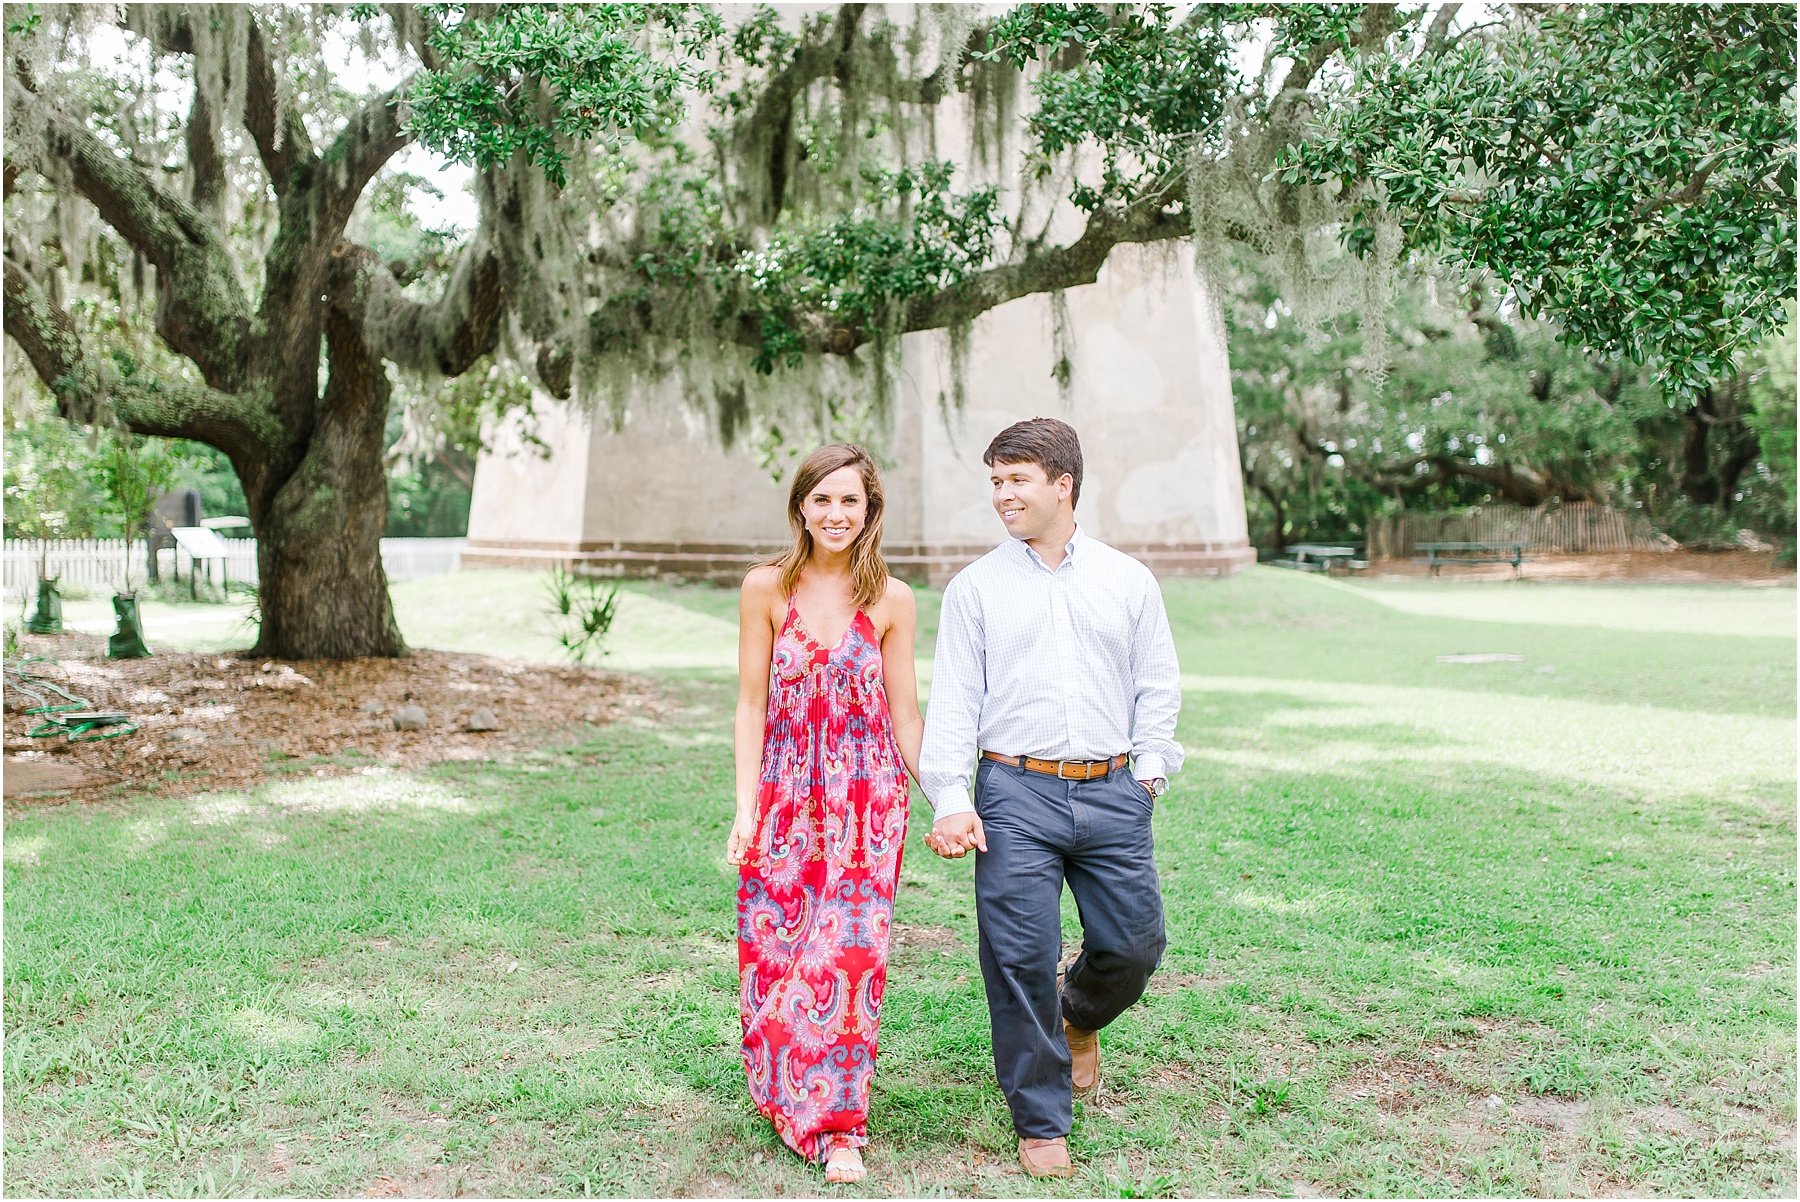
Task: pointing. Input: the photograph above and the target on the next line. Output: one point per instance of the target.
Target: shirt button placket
(1065, 649)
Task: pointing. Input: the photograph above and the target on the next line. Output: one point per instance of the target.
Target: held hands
(743, 833)
(955, 836)
(959, 834)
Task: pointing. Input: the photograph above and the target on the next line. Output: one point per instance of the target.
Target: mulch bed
(213, 721)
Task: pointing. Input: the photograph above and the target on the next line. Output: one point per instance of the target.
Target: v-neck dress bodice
(815, 901)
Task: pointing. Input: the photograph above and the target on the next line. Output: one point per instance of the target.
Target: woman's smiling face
(836, 509)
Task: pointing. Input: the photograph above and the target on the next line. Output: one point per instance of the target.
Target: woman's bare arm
(756, 647)
(901, 674)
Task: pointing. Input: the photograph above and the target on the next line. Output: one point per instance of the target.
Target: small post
(127, 642)
(48, 618)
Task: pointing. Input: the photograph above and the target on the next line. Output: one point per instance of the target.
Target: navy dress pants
(1041, 831)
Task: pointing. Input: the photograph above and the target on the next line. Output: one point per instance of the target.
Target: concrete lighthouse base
(665, 485)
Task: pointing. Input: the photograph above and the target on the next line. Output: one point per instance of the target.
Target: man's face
(1027, 500)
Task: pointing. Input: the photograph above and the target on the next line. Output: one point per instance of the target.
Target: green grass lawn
(1520, 927)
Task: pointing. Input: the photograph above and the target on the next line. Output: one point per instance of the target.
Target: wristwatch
(1157, 786)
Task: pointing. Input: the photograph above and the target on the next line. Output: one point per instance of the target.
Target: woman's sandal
(844, 1167)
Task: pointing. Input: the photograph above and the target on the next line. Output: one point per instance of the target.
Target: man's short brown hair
(1050, 444)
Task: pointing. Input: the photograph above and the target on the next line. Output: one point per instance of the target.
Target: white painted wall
(1149, 393)
(664, 475)
(522, 496)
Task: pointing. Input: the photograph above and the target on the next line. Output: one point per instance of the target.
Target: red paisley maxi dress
(816, 898)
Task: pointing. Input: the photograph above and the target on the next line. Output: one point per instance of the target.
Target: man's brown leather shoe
(1084, 1057)
(1046, 1157)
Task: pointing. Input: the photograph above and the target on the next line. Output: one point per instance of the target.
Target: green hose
(71, 718)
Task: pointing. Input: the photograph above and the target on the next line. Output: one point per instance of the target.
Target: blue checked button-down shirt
(1074, 663)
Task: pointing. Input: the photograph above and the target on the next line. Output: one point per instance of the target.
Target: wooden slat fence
(100, 562)
(1581, 528)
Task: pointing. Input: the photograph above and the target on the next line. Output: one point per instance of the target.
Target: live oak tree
(1625, 173)
(302, 429)
(1480, 406)
(1627, 170)
(1474, 408)
(278, 354)
(652, 183)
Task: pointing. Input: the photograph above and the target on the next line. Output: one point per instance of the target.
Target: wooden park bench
(1438, 554)
(1321, 557)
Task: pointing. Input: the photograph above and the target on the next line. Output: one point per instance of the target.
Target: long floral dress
(816, 898)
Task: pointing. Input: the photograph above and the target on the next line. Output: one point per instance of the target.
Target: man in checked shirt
(1056, 683)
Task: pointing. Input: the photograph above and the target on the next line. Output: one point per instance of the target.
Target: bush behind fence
(1583, 527)
(100, 562)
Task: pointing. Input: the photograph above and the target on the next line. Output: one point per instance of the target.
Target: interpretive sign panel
(199, 542)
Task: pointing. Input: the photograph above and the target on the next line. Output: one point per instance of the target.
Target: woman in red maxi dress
(828, 727)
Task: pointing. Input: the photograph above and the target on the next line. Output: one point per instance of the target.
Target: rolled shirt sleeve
(1157, 673)
(953, 714)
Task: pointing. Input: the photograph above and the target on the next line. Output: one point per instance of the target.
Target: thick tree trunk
(1717, 446)
(1744, 450)
(324, 592)
(1280, 533)
(1736, 444)
(1696, 478)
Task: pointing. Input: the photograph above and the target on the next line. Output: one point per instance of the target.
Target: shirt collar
(1070, 550)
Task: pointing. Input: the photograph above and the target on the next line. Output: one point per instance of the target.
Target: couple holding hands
(1051, 734)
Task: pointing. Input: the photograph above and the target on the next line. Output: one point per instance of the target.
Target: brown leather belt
(1067, 769)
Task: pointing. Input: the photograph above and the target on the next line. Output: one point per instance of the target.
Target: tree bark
(1696, 480)
(1717, 446)
(1257, 481)
(324, 590)
(1275, 502)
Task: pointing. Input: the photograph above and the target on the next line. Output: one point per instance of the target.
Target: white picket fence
(417, 558)
(96, 562)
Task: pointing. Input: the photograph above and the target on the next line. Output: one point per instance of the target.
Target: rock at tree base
(409, 717)
(483, 719)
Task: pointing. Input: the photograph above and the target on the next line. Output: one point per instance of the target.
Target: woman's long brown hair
(868, 570)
